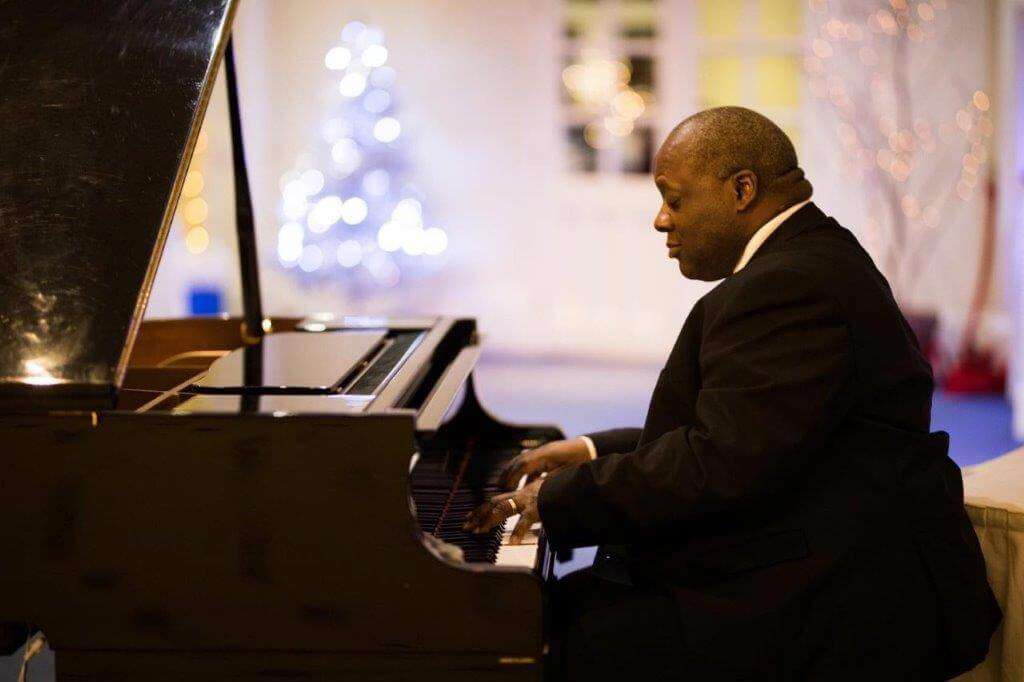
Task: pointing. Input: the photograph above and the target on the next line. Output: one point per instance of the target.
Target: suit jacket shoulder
(812, 255)
(807, 251)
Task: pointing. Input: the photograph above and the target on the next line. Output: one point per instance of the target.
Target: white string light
(346, 210)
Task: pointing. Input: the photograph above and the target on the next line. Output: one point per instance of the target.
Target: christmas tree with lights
(348, 211)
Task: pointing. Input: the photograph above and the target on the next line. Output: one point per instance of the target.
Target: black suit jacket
(785, 487)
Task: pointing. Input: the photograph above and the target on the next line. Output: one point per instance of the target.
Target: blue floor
(979, 426)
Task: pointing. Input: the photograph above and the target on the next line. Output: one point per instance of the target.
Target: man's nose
(663, 221)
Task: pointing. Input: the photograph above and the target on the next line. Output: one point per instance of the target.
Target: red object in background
(924, 325)
(975, 372)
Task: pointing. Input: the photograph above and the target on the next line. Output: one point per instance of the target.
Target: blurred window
(638, 150)
(721, 52)
(721, 80)
(580, 17)
(778, 79)
(780, 17)
(637, 19)
(610, 84)
(749, 54)
(582, 157)
(641, 72)
(720, 18)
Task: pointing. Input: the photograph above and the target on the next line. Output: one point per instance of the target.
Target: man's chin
(690, 271)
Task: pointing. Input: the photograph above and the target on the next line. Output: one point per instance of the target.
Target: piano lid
(102, 103)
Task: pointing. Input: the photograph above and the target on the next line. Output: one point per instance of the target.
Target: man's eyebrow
(662, 183)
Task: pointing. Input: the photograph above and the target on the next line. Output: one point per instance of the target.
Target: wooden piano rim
(191, 355)
(167, 394)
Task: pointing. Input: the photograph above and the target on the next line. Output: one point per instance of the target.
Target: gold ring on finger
(515, 507)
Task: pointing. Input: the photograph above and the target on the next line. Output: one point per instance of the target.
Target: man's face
(698, 215)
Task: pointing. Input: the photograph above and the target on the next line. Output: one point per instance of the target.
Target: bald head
(725, 140)
(722, 174)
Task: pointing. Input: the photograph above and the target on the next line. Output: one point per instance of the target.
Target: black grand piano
(257, 498)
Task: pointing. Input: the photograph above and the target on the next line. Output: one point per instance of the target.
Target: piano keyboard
(447, 484)
(524, 554)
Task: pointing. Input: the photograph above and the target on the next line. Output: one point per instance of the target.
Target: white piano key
(518, 555)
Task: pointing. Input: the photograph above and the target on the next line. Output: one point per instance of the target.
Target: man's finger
(522, 528)
(499, 512)
(488, 515)
(533, 477)
(521, 464)
(473, 518)
(513, 470)
(479, 515)
(479, 523)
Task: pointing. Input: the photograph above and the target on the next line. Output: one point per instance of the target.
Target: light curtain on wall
(901, 129)
(1012, 183)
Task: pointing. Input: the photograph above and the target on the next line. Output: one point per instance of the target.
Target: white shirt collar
(762, 234)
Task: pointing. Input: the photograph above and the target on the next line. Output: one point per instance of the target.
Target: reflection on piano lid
(276, 405)
(456, 404)
(293, 362)
(319, 322)
(102, 103)
(356, 363)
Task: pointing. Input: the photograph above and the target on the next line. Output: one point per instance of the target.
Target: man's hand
(548, 457)
(497, 509)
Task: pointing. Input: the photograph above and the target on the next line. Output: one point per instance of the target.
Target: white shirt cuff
(590, 446)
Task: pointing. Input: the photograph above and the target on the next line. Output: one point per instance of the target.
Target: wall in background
(550, 262)
(947, 251)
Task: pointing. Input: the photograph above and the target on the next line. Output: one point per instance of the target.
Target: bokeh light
(337, 58)
(194, 184)
(349, 253)
(312, 258)
(374, 56)
(352, 84)
(387, 129)
(354, 210)
(325, 213)
(290, 243)
(197, 240)
(196, 211)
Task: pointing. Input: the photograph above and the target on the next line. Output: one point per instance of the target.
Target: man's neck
(766, 212)
(761, 234)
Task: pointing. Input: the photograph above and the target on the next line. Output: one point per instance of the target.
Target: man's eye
(674, 204)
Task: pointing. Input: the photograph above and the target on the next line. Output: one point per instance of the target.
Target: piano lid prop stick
(253, 326)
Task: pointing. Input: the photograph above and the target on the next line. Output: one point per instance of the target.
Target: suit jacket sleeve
(777, 368)
(615, 440)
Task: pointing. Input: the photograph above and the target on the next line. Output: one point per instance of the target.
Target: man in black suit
(785, 512)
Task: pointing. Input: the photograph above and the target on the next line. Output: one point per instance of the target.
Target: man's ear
(744, 184)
